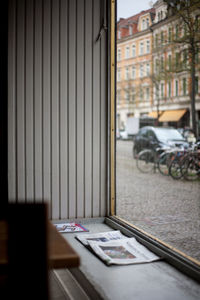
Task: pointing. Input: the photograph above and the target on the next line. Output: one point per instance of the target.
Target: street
(166, 208)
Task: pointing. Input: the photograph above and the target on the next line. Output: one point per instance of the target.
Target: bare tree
(188, 33)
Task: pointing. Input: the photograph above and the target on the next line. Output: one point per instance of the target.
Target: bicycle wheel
(164, 163)
(175, 169)
(145, 161)
(190, 168)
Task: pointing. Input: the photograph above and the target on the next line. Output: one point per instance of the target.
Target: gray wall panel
(57, 106)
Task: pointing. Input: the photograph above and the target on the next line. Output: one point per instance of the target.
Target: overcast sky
(127, 8)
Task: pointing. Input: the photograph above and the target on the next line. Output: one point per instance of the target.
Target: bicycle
(149, 160)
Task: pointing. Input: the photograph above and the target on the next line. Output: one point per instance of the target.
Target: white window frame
(133, 50)
(127, 52)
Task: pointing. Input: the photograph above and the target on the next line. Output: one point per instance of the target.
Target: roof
(133, 20)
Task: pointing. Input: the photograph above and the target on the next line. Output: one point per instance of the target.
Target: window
(185, 57)
(147, 20)
(119, 34)
(177, 31)
(148, 69)
(162, 37)
(154, 203)
(177, 56)
(127, 73)
(169, 34)
(141, 94)
(169, 89)
(133, 94)
(141, 48)
(127, 52)
(133, 72)
(147, 93)
(143, 24)
(133, 50)
(141, 70)
(127, 94)
(184, 87)
(118, 96)
(130, 30)
(148, 46)
(118, 54)
(169, 62)
(176, 87)
(118, 74)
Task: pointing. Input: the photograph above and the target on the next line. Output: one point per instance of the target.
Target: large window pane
(158, 105)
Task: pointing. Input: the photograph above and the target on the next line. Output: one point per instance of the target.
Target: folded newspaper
(115, 248)
(70, 227)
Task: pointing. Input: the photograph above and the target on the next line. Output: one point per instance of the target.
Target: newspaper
(100, 237)
(69, 227)
(113, 247)
(122, 252)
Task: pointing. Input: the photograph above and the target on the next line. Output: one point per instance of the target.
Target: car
(150, 137)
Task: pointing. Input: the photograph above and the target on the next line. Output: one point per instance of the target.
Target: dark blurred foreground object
(27, 252)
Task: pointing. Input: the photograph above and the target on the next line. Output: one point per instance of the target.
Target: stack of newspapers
(113, 247)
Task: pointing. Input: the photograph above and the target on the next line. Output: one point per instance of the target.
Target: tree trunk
(192, 92)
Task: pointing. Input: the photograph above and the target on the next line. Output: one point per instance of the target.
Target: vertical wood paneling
(46, 103)
(88, 107)
(72, 108)
(96, 109)
(57, 106)
(55, 103)
(29, 102)
(80, 108)
(38, 133)
(64, 109)
(103, 116)
(12, 184)
(20, 78)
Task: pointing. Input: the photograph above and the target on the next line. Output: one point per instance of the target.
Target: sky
(127, 8)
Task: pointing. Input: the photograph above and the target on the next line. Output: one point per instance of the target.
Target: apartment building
(152, 71)
(134, 67)
(171, 79)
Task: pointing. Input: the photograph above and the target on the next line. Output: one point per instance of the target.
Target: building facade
(153, 76)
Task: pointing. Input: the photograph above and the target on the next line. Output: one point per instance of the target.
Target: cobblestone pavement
(167, 208)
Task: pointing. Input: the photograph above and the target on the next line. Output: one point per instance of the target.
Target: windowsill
(157, 280)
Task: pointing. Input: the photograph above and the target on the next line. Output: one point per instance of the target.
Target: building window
(127, 73)
(130, 30)
(162, 37)
(147, 69)
(141, 48)
(176, 87)
(169, 34)
(162, 64)
(119, 34)
(159, 16)
(141, 70)
(177, 60)
(147, 93)
(148, 46)
(127, 52)
(118, 96)
(127, 94)
(184, 86)
(156, 65)
(133, 51)
(170, 62)
(143, 24)
(169, 89)
(185, 58)
(118, 54)
(147, 22)
(141, 93)
(118, 74)
(177, 31)
(133, 94)
(156, 40)
(133, 72)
